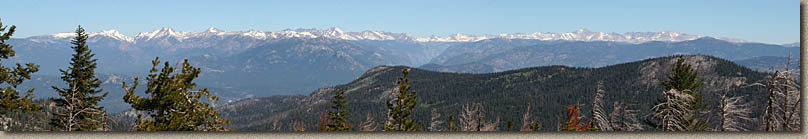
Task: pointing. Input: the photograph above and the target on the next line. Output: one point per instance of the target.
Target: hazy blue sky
(768, 21)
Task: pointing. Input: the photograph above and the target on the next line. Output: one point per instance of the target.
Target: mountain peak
(162, 32)
(63, 35)
(337, 33)
(112, 33)
(582, 31)
(213, 30)
(706, 38)
(335, 29)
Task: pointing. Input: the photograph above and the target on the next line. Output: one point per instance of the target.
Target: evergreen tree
(451, 125)
(684, 78)
(401, 106)
(172, 105)
(79, 101)
(337, 119)
(10, 99)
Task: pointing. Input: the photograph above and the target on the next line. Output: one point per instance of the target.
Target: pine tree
(79, 101)
(172, 105)
(401, 107)
(337, 119)
(451, 126)
(10, 99)
(684, 78)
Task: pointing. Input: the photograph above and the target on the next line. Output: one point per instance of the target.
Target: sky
(767, 21)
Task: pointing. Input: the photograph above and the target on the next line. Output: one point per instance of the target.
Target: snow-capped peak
(107, 33)
(255, 34)
(337, 33)
(63, 35)
(214, 30)
(112, 34)
(579, 35)
(163, 32)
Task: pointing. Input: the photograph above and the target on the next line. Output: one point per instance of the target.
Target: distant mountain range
(336, 33)
(248, 64)
(495, 55)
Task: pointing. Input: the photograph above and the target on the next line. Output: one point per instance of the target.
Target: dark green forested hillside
(503, 94)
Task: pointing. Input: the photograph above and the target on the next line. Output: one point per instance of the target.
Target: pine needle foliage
(79, 101)
(401, 106)
(171, 104)
(684, 78)
(338, 118)
(10, 99)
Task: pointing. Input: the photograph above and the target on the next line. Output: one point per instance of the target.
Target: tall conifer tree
(338, 118)
(401, 107)
(10, 99)
(9, 96)
(684, 78)
(172, 105)
(79, 100)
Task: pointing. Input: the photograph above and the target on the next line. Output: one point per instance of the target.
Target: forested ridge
(505, 94)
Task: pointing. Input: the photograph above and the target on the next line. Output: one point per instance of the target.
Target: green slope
(503, 94)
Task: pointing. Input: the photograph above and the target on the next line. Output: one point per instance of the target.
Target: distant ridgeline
(256, 67)
(505, 95)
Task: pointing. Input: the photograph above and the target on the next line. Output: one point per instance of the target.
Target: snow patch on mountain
(579, 35)
(337, 33)
(112, 34)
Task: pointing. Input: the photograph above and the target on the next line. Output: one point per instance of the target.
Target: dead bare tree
(369, 124)
(434, 124)
(298, 125)
(624, 119)
(673, 110)
(276, 126)
(733, 112)
(598, 114)
(783, 107)
(527, 124)
(472, 117)
(72, 109)
(490, 126)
